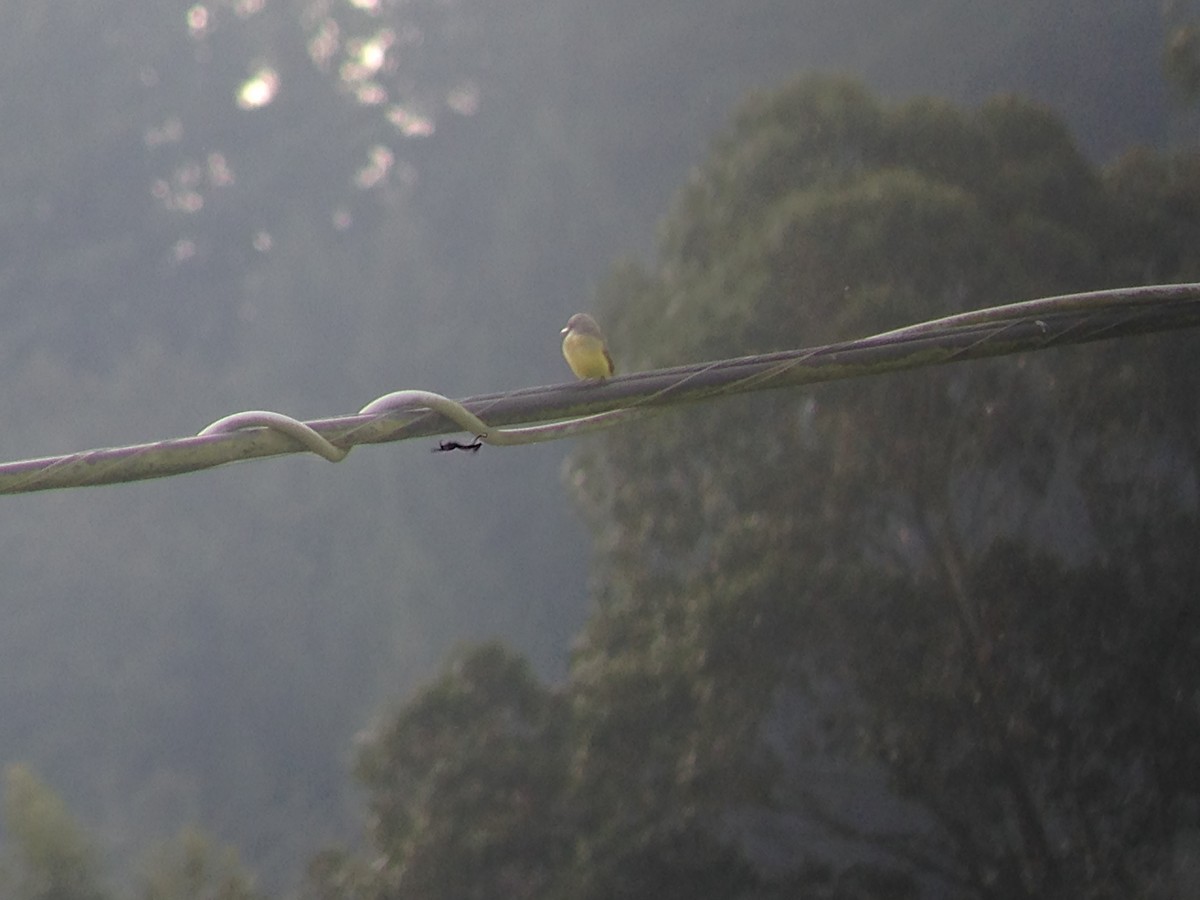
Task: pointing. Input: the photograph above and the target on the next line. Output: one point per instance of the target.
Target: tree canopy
(935, 629)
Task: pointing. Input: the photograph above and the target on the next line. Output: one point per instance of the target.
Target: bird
(584, 349)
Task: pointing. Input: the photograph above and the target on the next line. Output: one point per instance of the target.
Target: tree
(466, 784)
(1181, 51)
(890, 572)
(53, 858)
(189, 867)
(928, 630)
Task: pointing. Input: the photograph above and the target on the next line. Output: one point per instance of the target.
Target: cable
(505, 419)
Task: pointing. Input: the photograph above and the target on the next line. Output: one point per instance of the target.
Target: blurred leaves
(52, 857)
(969, 587)
(904, 537)
(190, 867)
(171, 255)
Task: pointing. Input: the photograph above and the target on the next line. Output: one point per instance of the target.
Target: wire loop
(293, 428)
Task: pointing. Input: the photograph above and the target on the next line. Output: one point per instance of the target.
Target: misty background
(300, 206)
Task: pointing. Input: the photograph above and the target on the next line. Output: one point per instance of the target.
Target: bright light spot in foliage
(373, 53)
(259, 90)
(324, 43)
(197, 20)
(370, 93)
(247, 8)
(376, 170)
(366, 60)
(409, 123)
(219, 173)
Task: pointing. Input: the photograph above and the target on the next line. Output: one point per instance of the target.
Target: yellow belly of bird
(587, 356)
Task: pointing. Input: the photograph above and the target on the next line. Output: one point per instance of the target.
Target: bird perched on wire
(584, 349)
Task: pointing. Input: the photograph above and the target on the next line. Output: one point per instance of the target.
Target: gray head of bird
(582, 323)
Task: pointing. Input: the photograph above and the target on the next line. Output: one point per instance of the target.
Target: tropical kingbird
(584, 349)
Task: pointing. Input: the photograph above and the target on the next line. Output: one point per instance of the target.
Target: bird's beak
(565, 330)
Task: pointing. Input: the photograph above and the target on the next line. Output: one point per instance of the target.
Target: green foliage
(1181, 60)
(189, 867)
(972, 584)
(177, 668)
(933, 545)
(476, 791)
(52, 856)
(1181, 49)
(466, 783)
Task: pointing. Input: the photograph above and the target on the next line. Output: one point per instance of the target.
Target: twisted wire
(567, 410)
